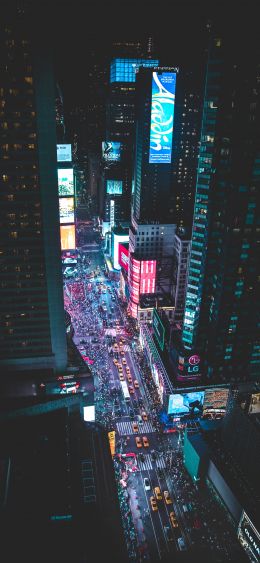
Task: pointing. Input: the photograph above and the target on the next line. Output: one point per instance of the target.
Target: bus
(125, 390)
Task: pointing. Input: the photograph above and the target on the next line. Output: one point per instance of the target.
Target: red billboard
(123, 256)
(147, 276)
(142, 277)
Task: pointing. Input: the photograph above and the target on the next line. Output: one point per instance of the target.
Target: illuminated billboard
(249, 538)
(67, 237)
(147, 276)
(114, 187)
(158, 329)
(162, 112)
(124, 70)
(123, 257)
(66, 205)
(112, 213)
(116, 240)
(65, 181)
(111, 151)
(186, 403)
(254, 406)
(89, 413)
(188, 367)
(64, 153)
(215, 402)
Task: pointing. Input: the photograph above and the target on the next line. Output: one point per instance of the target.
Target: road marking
(127, 428)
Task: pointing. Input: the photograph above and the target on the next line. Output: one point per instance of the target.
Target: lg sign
(194, 360)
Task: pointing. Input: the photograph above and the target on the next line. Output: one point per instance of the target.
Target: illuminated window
(28, 79)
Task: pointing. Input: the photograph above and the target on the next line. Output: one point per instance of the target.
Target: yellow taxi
(124, 361)
(127, 369)
(121, 377)
(135, 427)
(119, 367)
(144, 416)
(173, 519)
(129, 377)
(157, 492)
(145, 442)
(131, 389)
(138, 442)
(167, 497)
(153, 503)
(115, 361)
(136, 384)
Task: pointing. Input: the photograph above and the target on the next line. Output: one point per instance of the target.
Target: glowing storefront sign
(249, 537)
(114, 187)
(66, 205)
(65, 181)
(112, 442)
(67, 237)
(123, 257)
(111, 151)
(162, 112)
(64, 153)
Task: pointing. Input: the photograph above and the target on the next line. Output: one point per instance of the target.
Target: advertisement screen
(186, 403)
(249, 538)
(162, 112)
(64, 153)
(112, 213)
(124, 70)
(67, 237)
(215, 402)
(147, 276)
(123, 256)
(254, 406)
(89, 413)
(65, 182)
(111, 151)
(159, 329)
(66, 205)
(114, 187)
(116, 240)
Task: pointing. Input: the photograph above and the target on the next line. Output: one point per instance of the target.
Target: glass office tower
(32, 314)
(222, 314)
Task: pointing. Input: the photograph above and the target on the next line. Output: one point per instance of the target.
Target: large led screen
(65, 181)
(215, 402)
(67, 237)
(147, 276)
(116, 239)
(159, 329)
(114, 187)
(123, 257)
(111, 151)
(66, 205)
(162, 112)
(64, 153)
(186, 403)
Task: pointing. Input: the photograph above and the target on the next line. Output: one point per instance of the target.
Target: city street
(145, 458)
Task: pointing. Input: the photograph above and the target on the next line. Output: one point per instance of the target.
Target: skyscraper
(222, 315)
(32, 315)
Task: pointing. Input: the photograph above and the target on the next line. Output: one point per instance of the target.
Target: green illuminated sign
(159, 329)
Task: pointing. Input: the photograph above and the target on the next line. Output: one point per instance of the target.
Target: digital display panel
(123, 257)
(116, 240)
(67, 237)
(112, 213)
(66, 205)
(147, 276)
(65, 181)
(114, 187)
(186, 403)
(89, 413)
(249, 537)
(124, 70)
(254, 406)
(215, 402)
(111, 151)
(159, 329)
(162, 113)
(64, 153)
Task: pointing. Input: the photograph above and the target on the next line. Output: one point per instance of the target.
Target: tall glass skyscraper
(31, 306)
(222, 313)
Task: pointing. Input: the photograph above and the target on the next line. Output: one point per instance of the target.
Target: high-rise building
(222, 314)
(32, 314)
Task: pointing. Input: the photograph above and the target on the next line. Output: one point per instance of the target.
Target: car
(131, 413)
(136, 384)
(141, 457)
(173, 519)
(153, 454)
(157, 492)
(140, 402)
(144, 416)
(122, 352)
(121, 377)
(123, 340)
(124, 361)
(138, 441)
(145, 442)
(168, 533)
(147, 485)
(131, 389)
(135, 426)
(153, 503)
(115, 361)
(129, 377)
(181, 544)
(119, 367)
(167, 497)
(127, 369)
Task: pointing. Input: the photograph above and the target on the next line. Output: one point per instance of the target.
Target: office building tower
(222, 318)
(182, 255)
(32, 314)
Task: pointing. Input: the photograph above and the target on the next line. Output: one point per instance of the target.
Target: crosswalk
(126, 428)
(149, 464)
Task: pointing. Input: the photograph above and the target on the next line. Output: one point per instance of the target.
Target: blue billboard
(124, 70)
(111, 151)
(162, 112)
(114, 187)
(186, 403)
